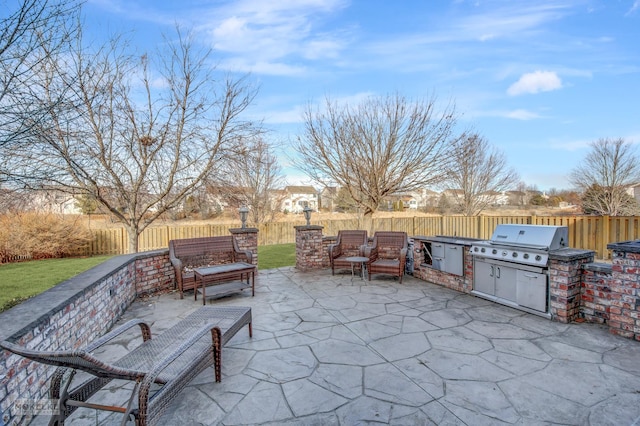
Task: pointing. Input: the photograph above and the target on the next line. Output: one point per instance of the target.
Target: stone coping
(570, 254)
(598, 267)
(23, 318)
(632, 246)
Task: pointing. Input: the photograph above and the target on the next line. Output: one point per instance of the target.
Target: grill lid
(542, 237)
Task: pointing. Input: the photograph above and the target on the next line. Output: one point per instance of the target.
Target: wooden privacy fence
(585, 232)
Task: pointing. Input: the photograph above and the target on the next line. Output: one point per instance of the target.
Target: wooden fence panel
(109, 241)
(585, 232)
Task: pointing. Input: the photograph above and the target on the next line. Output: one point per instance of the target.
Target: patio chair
(388, 254)
(168, 361)
(348, 244)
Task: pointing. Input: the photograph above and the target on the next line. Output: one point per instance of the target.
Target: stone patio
(336, 350)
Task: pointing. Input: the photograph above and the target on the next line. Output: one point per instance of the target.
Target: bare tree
(36, 32)
(135, 139)
(377, 148)
(477, 172)
(253, 179)
(603, 177)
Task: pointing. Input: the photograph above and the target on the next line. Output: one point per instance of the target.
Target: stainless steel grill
(525, 244)
(512, 267)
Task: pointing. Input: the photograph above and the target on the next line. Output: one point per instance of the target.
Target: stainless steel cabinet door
(484, 277)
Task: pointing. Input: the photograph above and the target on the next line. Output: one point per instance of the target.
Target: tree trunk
(133, 234)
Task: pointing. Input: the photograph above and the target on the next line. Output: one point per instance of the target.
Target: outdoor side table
(207, 277)
(355, 260)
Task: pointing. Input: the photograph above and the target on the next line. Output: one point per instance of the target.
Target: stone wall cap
(632, 246)
(243, 230)
(309, 227)
(598, 267)
(569, 254)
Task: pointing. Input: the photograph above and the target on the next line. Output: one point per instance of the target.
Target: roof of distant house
(301, 189)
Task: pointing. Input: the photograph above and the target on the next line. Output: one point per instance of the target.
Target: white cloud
(522, 114)
(634, 8)
(534, 82)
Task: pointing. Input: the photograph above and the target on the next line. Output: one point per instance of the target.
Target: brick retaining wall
(70, 315)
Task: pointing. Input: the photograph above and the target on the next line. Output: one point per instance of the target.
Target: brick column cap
(243, 230)
(309, 228)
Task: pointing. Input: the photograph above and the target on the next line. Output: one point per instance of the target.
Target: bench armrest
(144, 328)
(248, 254)
(334, 250)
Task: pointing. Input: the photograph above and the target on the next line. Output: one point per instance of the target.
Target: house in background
(298, 197)
(328, 198)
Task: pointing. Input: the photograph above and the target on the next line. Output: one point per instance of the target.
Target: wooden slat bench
(218, 257)
(171, 359)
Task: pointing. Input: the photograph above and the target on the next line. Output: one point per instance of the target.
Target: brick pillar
(309, 247)
(624, 309)
(247, 239)
(565, 277)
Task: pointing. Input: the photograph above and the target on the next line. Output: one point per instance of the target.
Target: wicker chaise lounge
(171, 359)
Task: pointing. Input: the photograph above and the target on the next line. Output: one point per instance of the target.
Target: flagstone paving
(333, 350)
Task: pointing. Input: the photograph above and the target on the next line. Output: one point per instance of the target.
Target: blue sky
(539, 79)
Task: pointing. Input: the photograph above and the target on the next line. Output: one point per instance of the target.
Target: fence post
(602, 247)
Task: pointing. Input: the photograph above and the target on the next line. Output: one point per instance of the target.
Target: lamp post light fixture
(244, 211)
(307, 214)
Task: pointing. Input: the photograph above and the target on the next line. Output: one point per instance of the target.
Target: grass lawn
(276, 255)
(22, 280)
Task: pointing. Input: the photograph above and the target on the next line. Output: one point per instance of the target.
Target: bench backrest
(205, 250)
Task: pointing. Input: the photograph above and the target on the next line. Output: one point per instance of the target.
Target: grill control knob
(483, 249)
(514, 254)
(504, 253)
(475, 249)
(494, 251)
(526, 255)
(538, 257)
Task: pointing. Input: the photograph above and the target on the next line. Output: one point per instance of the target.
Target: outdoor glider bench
(161, 366)
(215, 263)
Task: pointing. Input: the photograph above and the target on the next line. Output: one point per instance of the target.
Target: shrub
(40, 236)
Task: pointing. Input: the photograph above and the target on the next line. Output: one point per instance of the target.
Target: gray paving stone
(264, 403)
(455, 366)
(521, 347)
(608, 412)
(384, 382)
(539, 405)
(516, 365)
(483, 398)
(497, 330)
(334, 351)
(297, 393)
(624, 358)
(282, 365)
(345, 380)
(447, 318)
(365, 411)
(459, 339)
(401, 346)
(420, 374)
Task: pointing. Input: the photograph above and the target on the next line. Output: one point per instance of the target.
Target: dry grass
(41, 236)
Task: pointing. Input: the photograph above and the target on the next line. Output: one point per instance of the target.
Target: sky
(540, 80)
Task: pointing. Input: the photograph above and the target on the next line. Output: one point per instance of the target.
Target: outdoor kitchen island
(526, 267)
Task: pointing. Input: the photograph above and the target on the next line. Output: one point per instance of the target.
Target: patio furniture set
(171, 359)
(386, 255)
